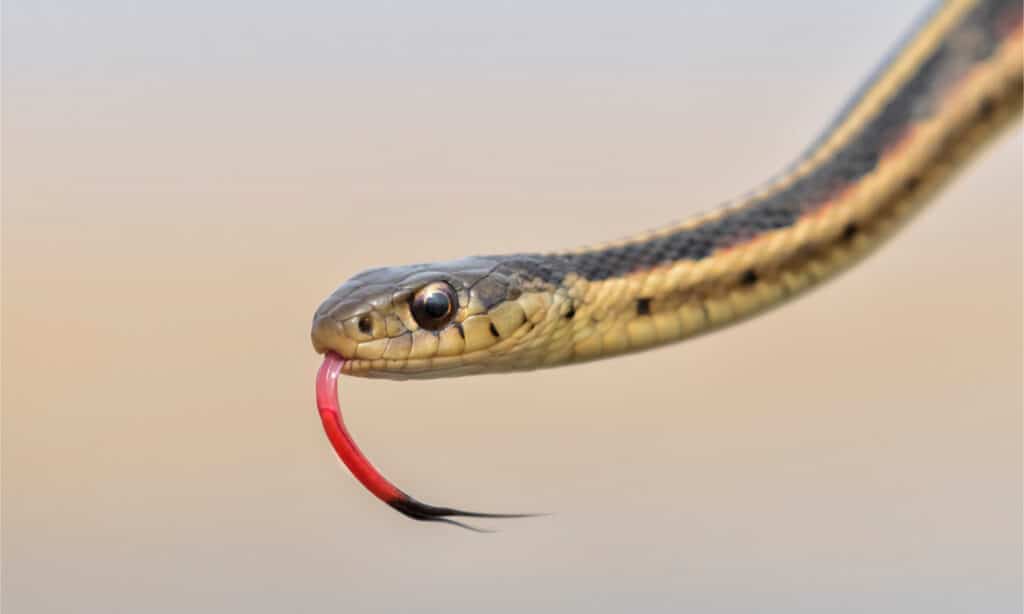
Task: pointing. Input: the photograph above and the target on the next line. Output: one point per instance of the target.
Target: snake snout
(325, 332)
(335, 325)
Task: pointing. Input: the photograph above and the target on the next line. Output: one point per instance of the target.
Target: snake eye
(434, 305)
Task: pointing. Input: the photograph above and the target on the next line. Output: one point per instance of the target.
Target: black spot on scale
(749, 277)
(911, 185)
(571, 313)
(643, 306)
(986, 108)
(494, 331)
(850, 231)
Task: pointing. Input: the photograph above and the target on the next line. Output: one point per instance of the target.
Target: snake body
(953, 84)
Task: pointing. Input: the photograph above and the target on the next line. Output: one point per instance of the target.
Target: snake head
(440, 319)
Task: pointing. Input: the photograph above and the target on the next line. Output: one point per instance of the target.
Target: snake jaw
(363, 469)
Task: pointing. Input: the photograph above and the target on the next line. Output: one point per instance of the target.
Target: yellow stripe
(693, 297)
(928, 38)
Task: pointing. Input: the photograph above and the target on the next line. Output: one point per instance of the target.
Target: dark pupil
(436, 305)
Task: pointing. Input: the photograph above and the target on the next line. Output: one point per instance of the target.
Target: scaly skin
(952, 85)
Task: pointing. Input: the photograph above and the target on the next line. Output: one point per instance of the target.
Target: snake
(954, 83)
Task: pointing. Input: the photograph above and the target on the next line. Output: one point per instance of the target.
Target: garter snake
(952, 84)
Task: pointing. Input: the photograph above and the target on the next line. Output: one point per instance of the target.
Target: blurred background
(184, 182)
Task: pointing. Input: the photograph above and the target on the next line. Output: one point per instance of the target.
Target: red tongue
(360, 466)
(344, 445)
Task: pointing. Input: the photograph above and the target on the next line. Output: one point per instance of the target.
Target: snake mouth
(363, 469)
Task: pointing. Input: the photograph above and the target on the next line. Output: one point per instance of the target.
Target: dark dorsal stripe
(972, 41)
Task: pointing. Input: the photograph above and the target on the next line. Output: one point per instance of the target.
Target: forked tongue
(360, 466)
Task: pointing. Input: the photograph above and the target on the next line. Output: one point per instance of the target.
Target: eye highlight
(434, 305)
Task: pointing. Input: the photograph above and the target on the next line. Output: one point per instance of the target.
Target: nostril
(365, 325)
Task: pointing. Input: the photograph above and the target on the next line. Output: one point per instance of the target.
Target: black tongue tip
(418, 510)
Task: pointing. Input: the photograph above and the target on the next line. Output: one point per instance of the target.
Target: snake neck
(952, 86)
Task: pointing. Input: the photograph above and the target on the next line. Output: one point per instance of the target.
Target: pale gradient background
(183, 182)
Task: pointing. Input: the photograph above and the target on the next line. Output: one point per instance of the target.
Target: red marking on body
(1010, 21)
(1012, 31)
